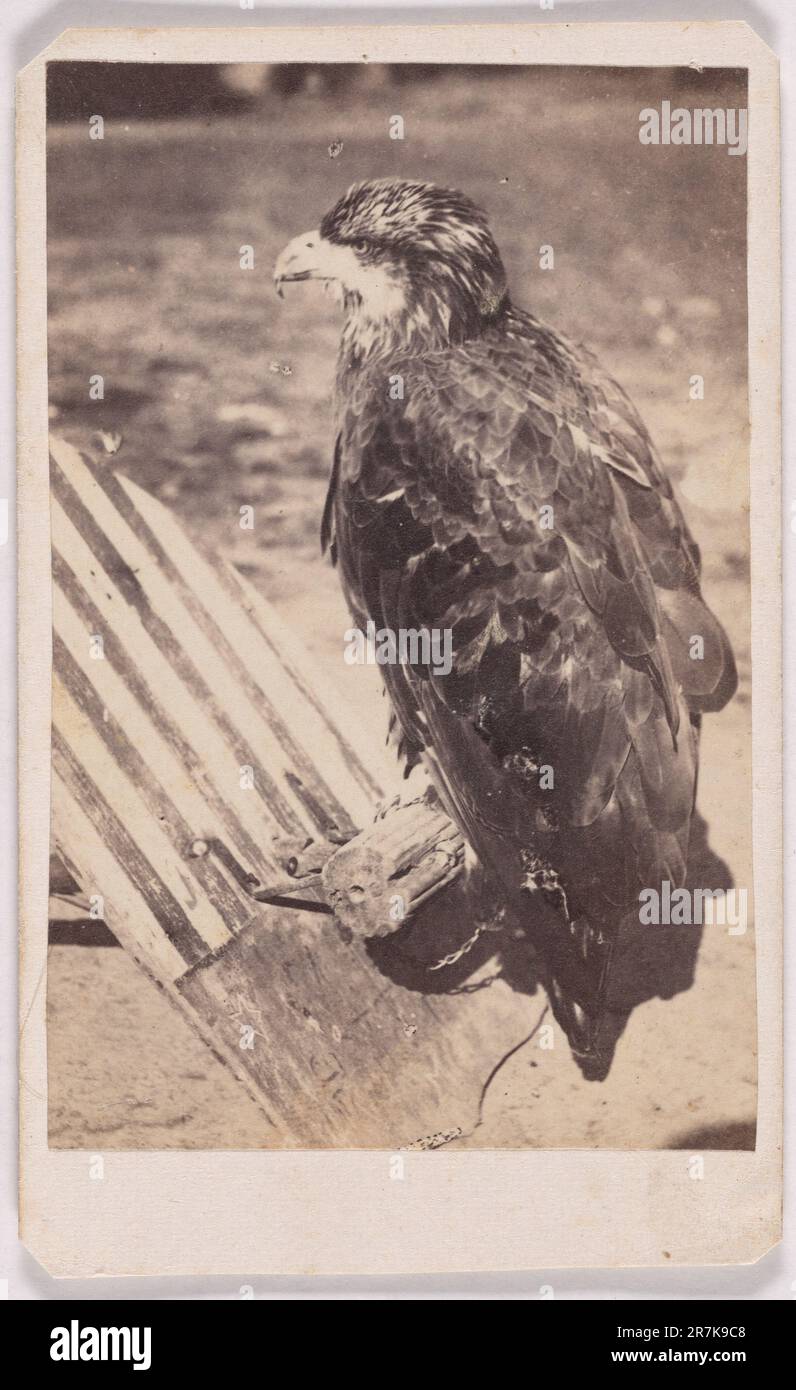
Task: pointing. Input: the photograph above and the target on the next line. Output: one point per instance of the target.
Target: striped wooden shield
(188, 749)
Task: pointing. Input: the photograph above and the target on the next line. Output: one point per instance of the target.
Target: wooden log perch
(384, 874)
(380, 877)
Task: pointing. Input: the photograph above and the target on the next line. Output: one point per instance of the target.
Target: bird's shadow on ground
(649, 961)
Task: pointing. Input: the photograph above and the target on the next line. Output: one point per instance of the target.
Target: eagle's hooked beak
(339, 268)
(301, 259)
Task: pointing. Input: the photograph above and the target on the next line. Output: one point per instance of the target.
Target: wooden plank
(126, 819)
(189, 648)
(197, 678)
(260, 644)
(350, 1058)
(171, 707)
(128, 907)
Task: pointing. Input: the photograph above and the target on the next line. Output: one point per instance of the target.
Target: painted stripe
(131, 807)
(231, 602)
(208, 755)
(146, 590)
(128, 911)
(174, 922)
(198, 926)
(127, 691)
(116, 718)
(238, 644)
(215, 759)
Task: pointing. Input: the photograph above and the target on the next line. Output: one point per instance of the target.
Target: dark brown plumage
(509, 491)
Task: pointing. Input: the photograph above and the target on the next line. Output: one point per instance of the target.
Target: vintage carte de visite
(400, 614)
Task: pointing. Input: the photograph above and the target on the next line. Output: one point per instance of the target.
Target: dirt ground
(223, 395)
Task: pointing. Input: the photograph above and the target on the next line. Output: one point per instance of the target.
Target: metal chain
(462, 950)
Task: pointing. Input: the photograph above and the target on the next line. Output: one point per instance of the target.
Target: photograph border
(338, 1212)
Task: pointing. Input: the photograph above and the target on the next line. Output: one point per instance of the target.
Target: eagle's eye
(361, 244)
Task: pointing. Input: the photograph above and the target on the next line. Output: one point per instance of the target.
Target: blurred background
(145, 284)
(223, 395)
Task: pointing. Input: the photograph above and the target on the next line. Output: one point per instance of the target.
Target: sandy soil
(145, 287)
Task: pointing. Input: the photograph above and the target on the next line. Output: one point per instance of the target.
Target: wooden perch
(381, 876)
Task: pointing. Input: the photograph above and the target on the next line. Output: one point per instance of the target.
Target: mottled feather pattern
(571, 641)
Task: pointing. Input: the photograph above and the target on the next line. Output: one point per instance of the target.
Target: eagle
(491, 480)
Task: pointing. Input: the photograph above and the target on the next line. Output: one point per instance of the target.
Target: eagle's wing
(511, 495)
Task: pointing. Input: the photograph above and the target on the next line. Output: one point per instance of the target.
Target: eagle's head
(412, 265)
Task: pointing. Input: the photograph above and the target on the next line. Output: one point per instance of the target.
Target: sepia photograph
(399, 470)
